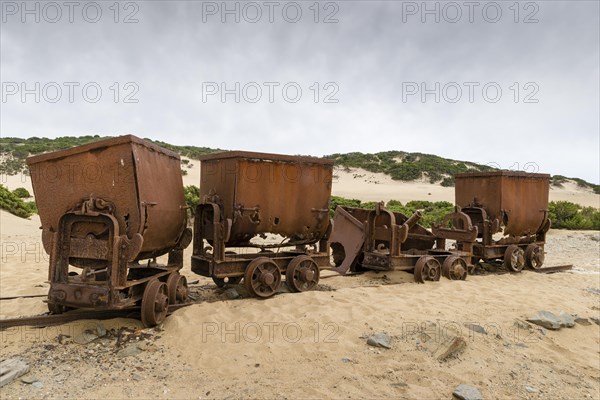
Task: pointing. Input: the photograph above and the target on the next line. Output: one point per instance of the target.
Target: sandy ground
(313, 344)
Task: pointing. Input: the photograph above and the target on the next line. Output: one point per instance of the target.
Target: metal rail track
(552, 270)
(76, 315)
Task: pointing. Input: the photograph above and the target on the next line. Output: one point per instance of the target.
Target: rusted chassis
(246, 195)
(387, 241)
(262, 272)
(514, 204)
(132, 209)
(121, 283)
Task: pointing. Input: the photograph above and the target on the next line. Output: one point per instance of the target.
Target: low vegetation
(409, 166)
(567, 215)
(433, 212)
(192, 198)
(21, 193)
(12, 203)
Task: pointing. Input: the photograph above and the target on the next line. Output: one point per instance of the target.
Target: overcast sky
(490, 82)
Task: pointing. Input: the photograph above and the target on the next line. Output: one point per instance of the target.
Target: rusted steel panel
(518, 200)
(160, 191)
(347, 239)
(269, 193)
(140, 182)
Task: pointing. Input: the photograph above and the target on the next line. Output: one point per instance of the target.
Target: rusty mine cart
(511, 204)
(246, 196)
(383, 240)
(104, 207)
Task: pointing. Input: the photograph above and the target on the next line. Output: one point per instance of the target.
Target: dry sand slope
(313, 345)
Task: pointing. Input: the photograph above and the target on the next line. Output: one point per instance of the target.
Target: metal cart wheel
(302, 274)
(155, 303)
(454, 268)
(514, 258)
(534, 256)
(178, 289)
(427, 269)
(262, 277)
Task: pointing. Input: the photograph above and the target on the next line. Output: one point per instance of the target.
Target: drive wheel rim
(455, 268)
(178, 289)
(534, 256)
(155, 303)
(514, 258)
(262, 277)
(427, 269)
(302, 274)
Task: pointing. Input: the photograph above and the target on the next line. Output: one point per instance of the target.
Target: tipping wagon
(510, 210)
(382, 240)
(246, 196)
(108, 209)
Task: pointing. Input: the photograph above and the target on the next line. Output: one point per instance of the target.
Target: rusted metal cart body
(510, 204)
(246, 196)
(382, 240)
(104, 207)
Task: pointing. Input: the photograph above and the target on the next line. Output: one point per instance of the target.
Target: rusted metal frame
(64, 242)
(392, 234)
(157, 275)
(237, 268)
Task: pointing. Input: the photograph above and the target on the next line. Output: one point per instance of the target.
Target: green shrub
(21, 193)
(14, 204)
(433, 212)
(567, 215)
(447, 181)
(192, 198)
(340, 201)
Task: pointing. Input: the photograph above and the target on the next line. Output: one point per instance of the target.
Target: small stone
(531, 389)
(128, 351)
(37, 384)
(467, 392)
(546, 319)
(449, 347)
(596, 320)
(231, 293)
(566, 319)
(85, 337)
(147, 346)
(136, 377)
(100, 330)
(583, 321)
(380, 340)
(348, 360)
(399, 384)
(593, 290)
(29, 379)
(11, 369)
(476, 328)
